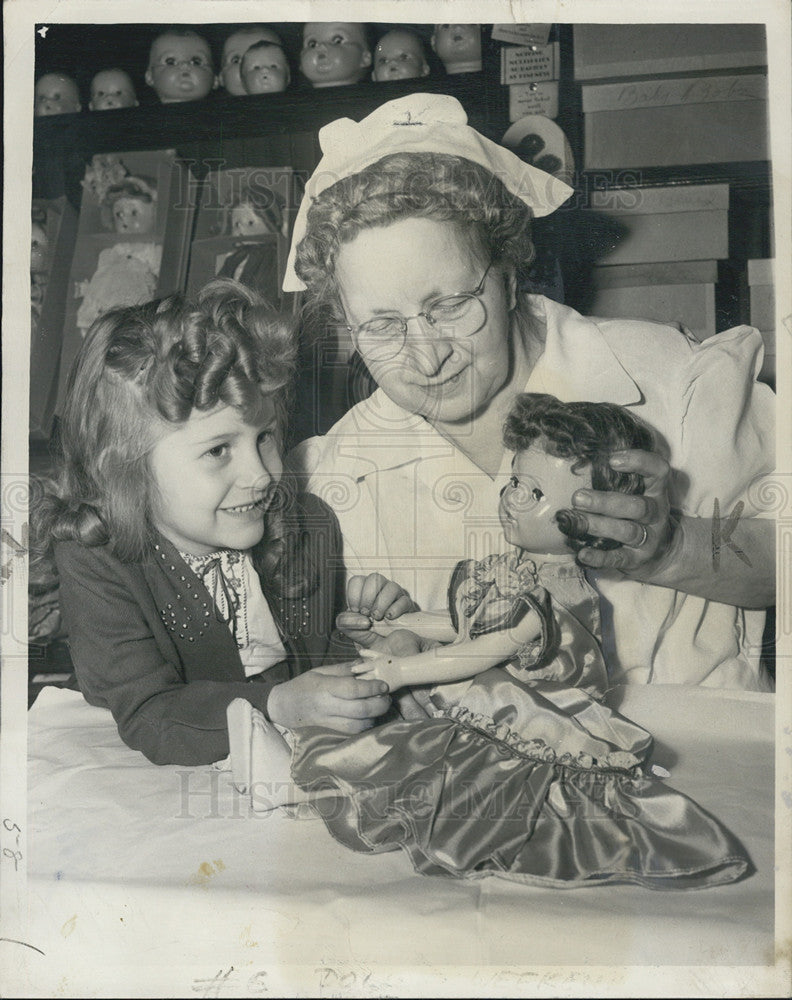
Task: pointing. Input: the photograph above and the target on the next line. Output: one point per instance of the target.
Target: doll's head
(131, 206)
(234, 47)
(334, 53)
(39, 248)
(399, 55)
(112, 88)
(174, 422)
(56, 94)
(257, 209)
(560, 448)
(264, 69)
(180, 66)
(458, 46)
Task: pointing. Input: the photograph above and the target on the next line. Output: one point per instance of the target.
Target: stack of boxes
(667, 96)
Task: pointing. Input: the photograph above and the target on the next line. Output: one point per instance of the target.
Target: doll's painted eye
(337, 40)
(514, 482)
(537, 494)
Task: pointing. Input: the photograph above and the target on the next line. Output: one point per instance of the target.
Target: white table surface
(158, 877)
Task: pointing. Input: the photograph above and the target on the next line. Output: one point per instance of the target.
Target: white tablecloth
(146, 879)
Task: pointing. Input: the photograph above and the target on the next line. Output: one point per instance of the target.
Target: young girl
(188, 577)
(515, 768)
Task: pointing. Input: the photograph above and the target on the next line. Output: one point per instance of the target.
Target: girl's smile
(214, 478)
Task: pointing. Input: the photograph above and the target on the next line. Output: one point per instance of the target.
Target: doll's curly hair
(408, 185)
(586, 433)
(142, 368)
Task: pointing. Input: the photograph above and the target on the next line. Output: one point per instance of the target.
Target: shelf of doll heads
(296, 86)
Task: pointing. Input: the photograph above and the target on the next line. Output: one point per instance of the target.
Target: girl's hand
(377, 597)
(643, 524)
(329, 696)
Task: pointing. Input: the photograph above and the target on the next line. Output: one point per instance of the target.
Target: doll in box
(334, 53)
(130, 206)
(264, 69)
(56, 94)
(112, 88)
(256, 211)
(458, 46)
(399, 55)
(39, 262)
(126, 275)
(234, 47)
(180, 66)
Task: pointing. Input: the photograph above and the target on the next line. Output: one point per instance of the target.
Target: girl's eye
(537, 494)
(219, 451)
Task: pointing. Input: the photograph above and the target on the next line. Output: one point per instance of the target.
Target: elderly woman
(414, 235)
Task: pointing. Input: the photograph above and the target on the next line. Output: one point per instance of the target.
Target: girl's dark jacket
(148, 644)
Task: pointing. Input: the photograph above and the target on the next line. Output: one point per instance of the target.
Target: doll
(334, 53)
(235, 46)
(508, 764)
(126, 275)
(39, 263)
(56, 94)
(458, 46)
(399, 55)
(180, 66)
(112, 88)
(256, 210)
(131, 206)
(264, 69)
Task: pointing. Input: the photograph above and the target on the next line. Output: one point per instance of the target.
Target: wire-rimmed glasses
(454, 317)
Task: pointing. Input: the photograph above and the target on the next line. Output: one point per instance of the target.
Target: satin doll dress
(519, 772)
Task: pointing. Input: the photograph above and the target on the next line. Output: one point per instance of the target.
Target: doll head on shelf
(180, 66)
(112, 88)
(560, 448)
(399, 55)
(131, 206)
(234, 47)
(458, 47)
(264, 69)
(334, 53)
(56, 94)
(257, 209)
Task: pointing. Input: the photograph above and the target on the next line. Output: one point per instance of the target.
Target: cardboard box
(761, 287)
(678, 293)
(761, 291)
(616, 50)
(530, 64)
(533, 99)
(675, 122)
(176, 196)
(674, 223)
(47, 329)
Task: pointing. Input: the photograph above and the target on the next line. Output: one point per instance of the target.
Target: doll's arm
(430, 625)
(443, 664)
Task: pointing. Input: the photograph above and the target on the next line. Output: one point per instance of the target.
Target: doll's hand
(643, 524)
(329, 696)
(377, 597)
(380, 668)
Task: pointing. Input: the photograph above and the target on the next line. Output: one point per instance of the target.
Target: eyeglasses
(455, 317)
